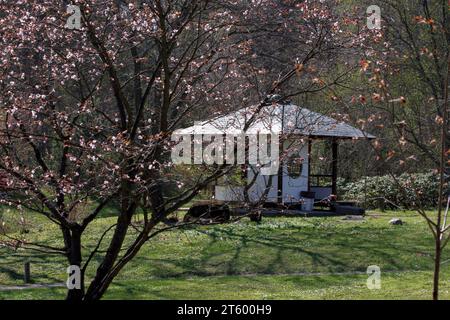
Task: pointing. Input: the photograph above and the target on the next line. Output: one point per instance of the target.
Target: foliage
(403, 191)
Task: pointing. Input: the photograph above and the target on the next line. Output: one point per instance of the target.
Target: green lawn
(290, 258)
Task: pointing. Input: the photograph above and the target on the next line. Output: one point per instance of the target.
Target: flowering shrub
(404, 191)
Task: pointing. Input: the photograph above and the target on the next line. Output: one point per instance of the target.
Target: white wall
(291, 187)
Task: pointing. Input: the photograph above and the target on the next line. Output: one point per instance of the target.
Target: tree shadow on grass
(299, 250)
(239, 258)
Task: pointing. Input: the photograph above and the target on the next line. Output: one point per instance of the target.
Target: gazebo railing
(317, 180)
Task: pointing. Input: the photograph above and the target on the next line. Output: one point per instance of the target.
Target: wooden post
(309, 163)
(280, 162)
(26, 272)
(280, 175)
(334, 168)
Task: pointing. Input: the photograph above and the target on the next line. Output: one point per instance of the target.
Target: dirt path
(32, 286)
(350, 273)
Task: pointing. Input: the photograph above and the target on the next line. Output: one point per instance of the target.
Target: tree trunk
(74, 257)
(128, 208)
(437, 267)
(97, 287)
(442, 166)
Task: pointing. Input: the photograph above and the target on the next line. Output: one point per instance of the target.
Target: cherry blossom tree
(87, 112)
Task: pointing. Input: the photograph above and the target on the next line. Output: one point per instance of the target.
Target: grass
(399, 285)
(281, 258)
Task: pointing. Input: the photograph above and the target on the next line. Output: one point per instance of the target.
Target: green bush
(405, 191)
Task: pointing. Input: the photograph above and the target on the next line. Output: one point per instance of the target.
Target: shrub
(405, 191)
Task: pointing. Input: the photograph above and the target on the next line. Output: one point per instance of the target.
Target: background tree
(401, 94)
(411, 70)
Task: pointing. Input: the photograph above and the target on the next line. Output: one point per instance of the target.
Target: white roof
(296, 120)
